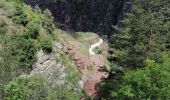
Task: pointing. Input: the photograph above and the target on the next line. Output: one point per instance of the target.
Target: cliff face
(83, 15)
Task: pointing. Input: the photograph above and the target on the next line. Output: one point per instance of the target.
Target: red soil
(89, 66)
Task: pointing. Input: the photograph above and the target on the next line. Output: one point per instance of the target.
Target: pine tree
(141, 36)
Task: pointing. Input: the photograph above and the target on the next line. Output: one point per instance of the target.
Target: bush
(20, 17)
(32, 30)
(3, 28)
(25, 89)
(16, 90)
(23, 50)
(46, 43)
(48, 22)
(63, 93)
(35, 88)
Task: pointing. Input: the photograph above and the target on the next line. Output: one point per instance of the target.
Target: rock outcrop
(48, 67)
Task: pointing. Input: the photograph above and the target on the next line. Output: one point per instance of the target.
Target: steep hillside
(31, 66)
(84, 49)
(38, 60)
(83, 15)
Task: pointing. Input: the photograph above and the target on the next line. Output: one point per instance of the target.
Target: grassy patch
(65, 38)
(97, 50)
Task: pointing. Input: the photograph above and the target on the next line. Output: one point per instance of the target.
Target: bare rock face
(48, 67)
(52, 70)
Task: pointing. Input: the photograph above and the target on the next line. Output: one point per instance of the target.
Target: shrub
(20, 17)
(48, 22)
(38, 88)
(23, 50)
(25, 89)
(32, 30)
(35, 88)
(3, 28)
(46, 43)
(16, 90)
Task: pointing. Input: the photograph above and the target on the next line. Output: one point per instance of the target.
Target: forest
(49, 49)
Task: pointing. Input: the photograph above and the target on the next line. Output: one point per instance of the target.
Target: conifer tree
(142, 36)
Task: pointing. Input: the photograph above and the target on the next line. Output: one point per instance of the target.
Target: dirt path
(94, 46)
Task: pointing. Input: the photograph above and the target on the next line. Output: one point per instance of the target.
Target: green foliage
(97, 50)
(23, 50)
(20, 17)
(63, 93)
(18, 52)
(35, 88)
(3, 28)
(16, 90)
(18, 49)
(32, 30)
(142, 36)
(46, 43)
(17, 12)
(151, 82)
(47, 22)
(25, 89)
(148, 83)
